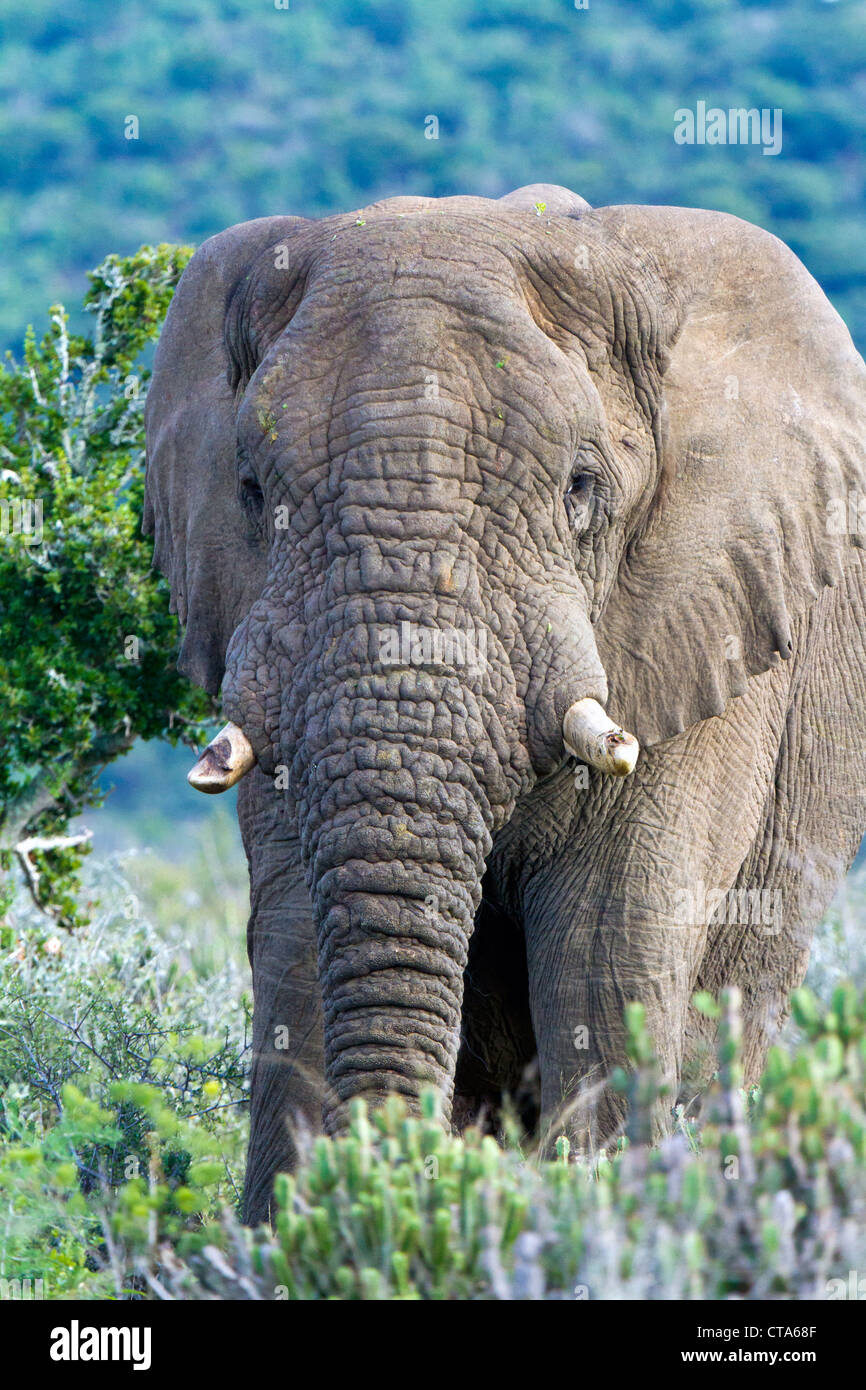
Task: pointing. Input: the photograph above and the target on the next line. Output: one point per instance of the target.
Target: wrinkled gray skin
(620, 443)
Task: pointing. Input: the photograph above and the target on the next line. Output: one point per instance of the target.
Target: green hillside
(244, 109)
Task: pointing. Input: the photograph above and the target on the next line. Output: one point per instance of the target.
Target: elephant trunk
(396, 826)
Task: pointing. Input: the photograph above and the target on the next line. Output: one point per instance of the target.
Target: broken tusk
(592, 736)
(225, 761)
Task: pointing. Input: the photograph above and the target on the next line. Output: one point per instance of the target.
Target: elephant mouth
(587, 730)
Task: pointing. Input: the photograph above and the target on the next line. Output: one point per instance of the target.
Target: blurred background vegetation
(245, 110)
(180, 851)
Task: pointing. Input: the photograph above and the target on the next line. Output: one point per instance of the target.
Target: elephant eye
(250, 489)
(580, 484)
(252, 496)
(579, 499)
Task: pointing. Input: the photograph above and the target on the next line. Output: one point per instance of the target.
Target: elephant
(521, 541)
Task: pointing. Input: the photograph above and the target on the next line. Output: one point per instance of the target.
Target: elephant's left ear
(762, 431)
(191, 506)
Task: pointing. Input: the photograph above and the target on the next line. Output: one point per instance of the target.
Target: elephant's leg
(812, 827)
(287, 1078)
(497, 1044)
(587, 959)
(620, 913)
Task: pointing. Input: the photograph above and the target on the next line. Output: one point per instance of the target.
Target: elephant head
(436, 485)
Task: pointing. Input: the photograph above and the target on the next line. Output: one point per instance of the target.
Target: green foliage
(123, 1098)
(121, 1136)
(88, 644)
(245, 110)
(762, 1201)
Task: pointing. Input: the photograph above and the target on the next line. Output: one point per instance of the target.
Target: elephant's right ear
(758, 404)
(203, 543)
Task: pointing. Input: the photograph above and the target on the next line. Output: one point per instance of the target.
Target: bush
(123, 1083)
(87, 642)
(767, 1201)
(122, 1134)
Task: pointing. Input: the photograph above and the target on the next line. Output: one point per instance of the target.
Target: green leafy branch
(87, 642)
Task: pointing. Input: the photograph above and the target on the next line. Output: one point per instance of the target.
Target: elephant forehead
(377, 352)
(478, 263)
